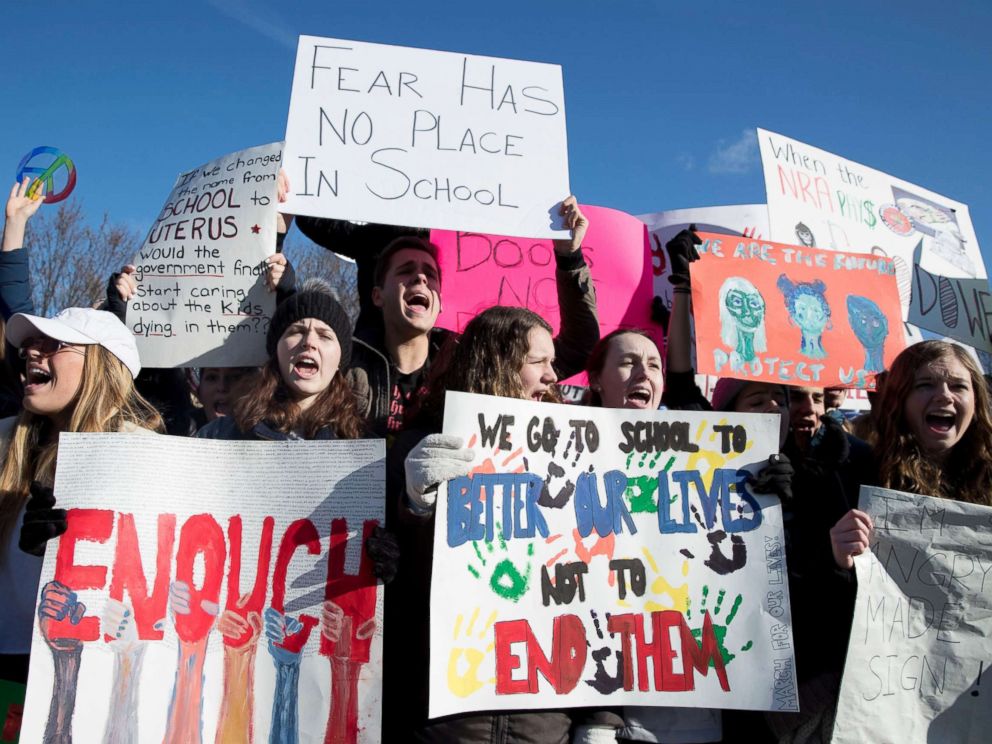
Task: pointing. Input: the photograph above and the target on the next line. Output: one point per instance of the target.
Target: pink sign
(480, 271)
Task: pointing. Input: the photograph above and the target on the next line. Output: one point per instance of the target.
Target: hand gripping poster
(599, 557)
(818, 199)
(918, 660)
(779, 313)
(210, 591)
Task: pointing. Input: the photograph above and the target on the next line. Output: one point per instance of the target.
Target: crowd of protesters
(929, 432)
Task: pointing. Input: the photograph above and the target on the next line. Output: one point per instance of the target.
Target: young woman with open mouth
(301, 394)
(79, 370)
(935, 437)
(507, 352)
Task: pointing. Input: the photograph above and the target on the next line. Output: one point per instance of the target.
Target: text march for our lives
(230, 593)
(606, 557)
(433, 139)
(201, 299)
(918, 660)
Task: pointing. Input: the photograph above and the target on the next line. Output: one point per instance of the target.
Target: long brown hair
(597, 358)
(486, 358)
(107, 401)
(263, 396)
(967, 474)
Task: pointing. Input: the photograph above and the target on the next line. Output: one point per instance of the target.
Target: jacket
(227, 428)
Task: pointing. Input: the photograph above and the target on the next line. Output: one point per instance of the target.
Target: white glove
(594, 735)
(438, 457)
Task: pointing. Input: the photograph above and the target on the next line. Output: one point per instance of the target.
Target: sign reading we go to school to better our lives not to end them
(608, 557)
(424, 138)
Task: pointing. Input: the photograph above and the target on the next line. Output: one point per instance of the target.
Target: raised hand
(574, 221)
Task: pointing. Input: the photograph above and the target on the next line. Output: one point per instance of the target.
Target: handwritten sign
(802, 316)
(417, 137)
(201, 298)
(600, 557)
(921, 642)
(235, 614)
(958, 308)
(484, 270)
(816, 198)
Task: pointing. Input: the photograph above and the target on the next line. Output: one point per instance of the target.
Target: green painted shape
(640, 494)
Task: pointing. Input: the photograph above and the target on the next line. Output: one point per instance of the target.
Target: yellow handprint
(464, 661)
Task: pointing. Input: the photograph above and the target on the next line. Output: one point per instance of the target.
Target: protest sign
(749, 220)
(816, 198)
(201, 298)
(210, 586)
(801, 316)
(918, 660)
(484, 270)
(417, 137)
(600, 557)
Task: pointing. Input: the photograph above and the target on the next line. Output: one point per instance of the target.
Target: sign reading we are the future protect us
(417, 137)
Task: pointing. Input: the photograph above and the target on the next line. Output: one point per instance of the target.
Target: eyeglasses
(45, 346)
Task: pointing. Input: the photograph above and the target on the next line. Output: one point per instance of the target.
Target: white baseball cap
(80, 325)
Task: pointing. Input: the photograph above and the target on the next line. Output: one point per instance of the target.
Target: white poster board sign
(819, 199)
(193, 604)
(201, 299)
(424, 138)
(921, 642)
(599, 557)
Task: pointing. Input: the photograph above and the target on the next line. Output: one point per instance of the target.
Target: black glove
(384, 550)
(660, 313)
(775, 477)
(115, 304)
(681, 252)
(830, 445)
(42, 521)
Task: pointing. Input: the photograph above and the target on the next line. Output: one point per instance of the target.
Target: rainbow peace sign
(49, 161)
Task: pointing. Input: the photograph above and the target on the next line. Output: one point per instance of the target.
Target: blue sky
(661, 97)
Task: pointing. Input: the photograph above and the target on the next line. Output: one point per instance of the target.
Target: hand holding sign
(574, 221)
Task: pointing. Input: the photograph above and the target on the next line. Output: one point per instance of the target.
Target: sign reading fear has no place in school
(416, 137)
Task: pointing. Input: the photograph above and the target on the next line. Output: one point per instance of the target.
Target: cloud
(735, 156)
(259, 19)
(686, 161)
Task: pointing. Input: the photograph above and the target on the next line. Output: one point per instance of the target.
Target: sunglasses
(45, 346)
